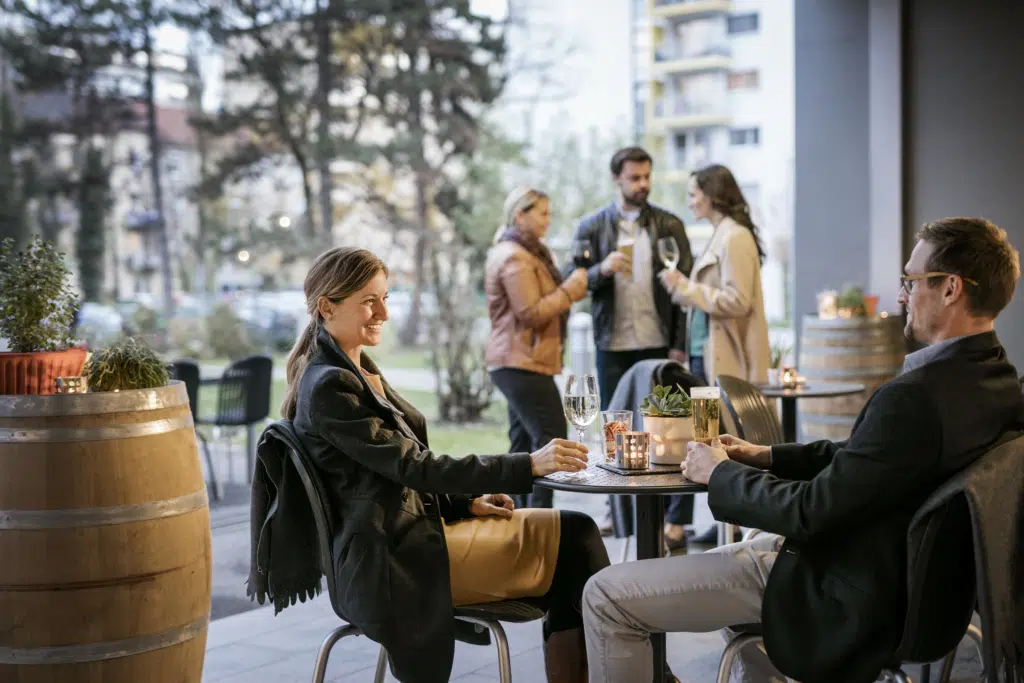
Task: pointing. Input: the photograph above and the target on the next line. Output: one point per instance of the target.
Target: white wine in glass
(581, 402)
(668, 252)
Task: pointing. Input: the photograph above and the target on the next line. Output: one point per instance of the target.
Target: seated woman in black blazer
(412, 535)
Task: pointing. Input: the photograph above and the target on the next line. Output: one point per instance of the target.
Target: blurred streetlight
(284, 221)
(243, 256)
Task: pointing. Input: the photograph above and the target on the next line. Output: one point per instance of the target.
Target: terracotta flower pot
(34, 373)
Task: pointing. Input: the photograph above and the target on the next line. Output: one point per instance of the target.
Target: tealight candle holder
(788, 377)
(72, 385)
(632, 450)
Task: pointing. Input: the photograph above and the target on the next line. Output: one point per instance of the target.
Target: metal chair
(946, 598)
(187, 372)
(243, 400)
(482, 617)
(755, 420)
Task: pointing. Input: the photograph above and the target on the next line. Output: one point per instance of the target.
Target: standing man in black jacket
(828, 580)
(634, 317)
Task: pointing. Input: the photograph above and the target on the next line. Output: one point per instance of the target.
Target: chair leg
(320, 670)
(899, 676)
(731, 650)
(382, 666)
(726, 533)
(625, 549)
(947, 667)
(215, 489)
(504, 659)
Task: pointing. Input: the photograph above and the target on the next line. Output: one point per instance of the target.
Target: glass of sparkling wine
(581, 401)
(706, 405)
(668, 252)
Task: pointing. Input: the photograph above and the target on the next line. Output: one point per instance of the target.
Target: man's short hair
(635, 154)
(979, 250)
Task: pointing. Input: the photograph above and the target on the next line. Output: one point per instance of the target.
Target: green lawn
(487, 437)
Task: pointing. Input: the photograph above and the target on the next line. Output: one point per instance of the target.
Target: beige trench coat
(726, 283)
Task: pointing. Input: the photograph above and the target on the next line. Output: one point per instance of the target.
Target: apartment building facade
(713, 83)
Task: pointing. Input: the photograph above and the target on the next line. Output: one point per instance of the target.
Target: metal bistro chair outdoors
(243, 400)
(755, 419)
(942, 594)
(187, 372)
(485, 616)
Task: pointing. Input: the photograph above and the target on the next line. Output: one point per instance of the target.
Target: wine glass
(581, 255)
(581, 402)
(668, 252)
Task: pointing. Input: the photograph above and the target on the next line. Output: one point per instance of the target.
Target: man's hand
(615, 262)
(747, 453)
(702, 459)
(492, 505)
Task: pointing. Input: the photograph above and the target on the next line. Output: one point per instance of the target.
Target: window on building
(744, 23)
(744, 80)
(745, 136)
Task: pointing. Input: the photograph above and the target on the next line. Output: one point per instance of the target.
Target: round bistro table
(650, 490)
(789, 396)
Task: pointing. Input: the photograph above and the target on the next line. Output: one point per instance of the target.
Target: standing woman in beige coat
(728, 329)
(528, 303)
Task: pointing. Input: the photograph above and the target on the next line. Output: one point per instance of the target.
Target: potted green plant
(778, 355)
(668, 418)
(37, 310)
(850, 302)
(125, 365)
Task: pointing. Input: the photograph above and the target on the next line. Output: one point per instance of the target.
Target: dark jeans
(612, 365)
(535, 417)
(680, 508)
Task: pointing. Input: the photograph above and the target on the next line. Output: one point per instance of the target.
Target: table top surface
(599, 480)
(812, 389)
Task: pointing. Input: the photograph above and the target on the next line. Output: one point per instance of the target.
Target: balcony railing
(684, 106)
(690, 9)
(668, 55)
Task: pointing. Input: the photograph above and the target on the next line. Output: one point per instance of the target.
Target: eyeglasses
(907, 281)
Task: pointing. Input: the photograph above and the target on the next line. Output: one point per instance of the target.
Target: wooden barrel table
(866, 351)
(105, 563)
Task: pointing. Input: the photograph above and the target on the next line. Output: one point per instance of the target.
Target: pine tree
(93, 202)
(12, 205)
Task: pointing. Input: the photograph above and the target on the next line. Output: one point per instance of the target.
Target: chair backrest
(670, 373)
(755, 419)
(318, 504)
(187, 372)
(243, 394)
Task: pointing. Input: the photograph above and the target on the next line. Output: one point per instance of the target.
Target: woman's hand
(576, 285)
(492, 505)
(672, 279)
(560, 455)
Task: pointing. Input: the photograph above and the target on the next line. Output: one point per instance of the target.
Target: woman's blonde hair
(523, 198)
(336, 274)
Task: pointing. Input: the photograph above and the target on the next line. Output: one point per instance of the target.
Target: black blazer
(390, 496)
(601, 230)
(836, 596)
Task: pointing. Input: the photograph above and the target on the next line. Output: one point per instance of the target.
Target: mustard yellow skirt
(498, 559)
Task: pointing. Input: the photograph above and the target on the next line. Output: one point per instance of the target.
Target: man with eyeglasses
(827, 579)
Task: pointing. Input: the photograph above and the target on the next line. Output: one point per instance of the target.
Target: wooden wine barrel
(105, 563)
(866, 351)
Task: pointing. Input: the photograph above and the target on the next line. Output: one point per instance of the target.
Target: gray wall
(964, 126)
(831, 244)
